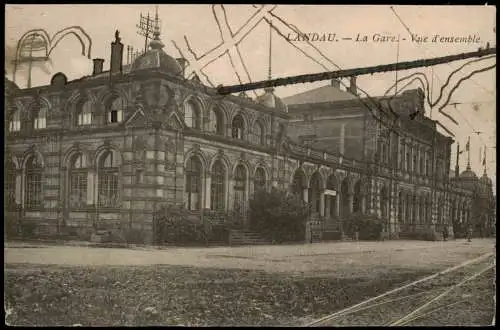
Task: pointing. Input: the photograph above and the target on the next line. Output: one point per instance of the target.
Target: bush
(368, 226)
(278, 215)
(175, 225)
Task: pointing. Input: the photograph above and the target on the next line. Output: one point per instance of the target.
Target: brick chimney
(335, 83)
(352, 86)
(98, 65)
(116, 62)
(183, 63)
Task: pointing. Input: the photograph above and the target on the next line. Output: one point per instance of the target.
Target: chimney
(116, 62)
(335, 83)
(98, 65)
(183, 63)
(352, 86)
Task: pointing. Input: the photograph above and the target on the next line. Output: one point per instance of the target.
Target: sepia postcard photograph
(249, 165)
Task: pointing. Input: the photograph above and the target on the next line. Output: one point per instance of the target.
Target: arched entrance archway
(315, 192)
(331, 207)
(344, 193)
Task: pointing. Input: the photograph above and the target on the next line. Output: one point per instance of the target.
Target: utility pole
(224, 90)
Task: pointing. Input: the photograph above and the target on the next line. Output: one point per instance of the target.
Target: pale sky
(197, 23)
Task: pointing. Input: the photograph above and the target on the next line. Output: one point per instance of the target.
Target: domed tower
(156, 58)
(269, 99)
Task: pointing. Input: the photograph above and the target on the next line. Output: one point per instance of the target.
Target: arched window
(193, 183)
(422, 168)
(216, 124)
(115, 111)
(108, 173)
(10, 185)
(41, 120)
(427, 165)
(34, 182)
(259, 181)
(315, 192)
(78, 182)
(15, 122)
(415, 163)
(401, 202)
(299, 184)
(84, 113)
(192, 115)
(240, 182)
(356, 207)
(258, 133)
(344, 192)
(408, 160)
(238, 127)
(218, 184)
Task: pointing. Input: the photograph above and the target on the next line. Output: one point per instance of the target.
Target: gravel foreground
(176, 295)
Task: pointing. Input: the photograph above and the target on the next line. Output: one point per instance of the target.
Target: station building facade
(106, 150)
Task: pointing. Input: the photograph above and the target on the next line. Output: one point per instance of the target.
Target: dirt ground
(307, 258)
(263, 285)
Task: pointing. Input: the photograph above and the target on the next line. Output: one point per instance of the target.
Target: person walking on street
(469, 234)
(445, 233)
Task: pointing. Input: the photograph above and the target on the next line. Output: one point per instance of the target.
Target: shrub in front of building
(175, 225)
(368, 226)
(278, 215)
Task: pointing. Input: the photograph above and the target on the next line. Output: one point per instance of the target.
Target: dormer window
(115, 112)
(84, 116)
(15, 122)
(192, 115)
(237, 127)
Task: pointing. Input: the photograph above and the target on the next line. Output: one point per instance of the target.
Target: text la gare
(377, 37)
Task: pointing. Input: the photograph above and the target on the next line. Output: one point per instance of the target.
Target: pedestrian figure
(445, 233)
(469, 234)
(311, 233)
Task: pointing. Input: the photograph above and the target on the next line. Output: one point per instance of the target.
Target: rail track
(423, 302)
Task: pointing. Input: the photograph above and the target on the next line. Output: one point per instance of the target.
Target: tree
(278, 215)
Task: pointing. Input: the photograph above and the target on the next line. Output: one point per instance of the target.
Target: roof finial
(270, 89)
(156, 42)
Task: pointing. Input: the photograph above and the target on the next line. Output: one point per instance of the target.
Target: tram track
(411, 302)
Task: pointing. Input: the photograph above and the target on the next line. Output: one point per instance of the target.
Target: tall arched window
(193, 183)
(258, 133)
(216, 124)
(299, 184)
(41, 119)
(240, 182)
(218, 196)
(238, 127)
(344, 192)
(422, 163)
(408, 159)
(10, 185)
(34, 172)
(356, 207)
(259, 181)
(108, 173)
(84, 113)
(115, 111)
(192, 115)
(15, 122)
(78, 182)
(401, 202)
